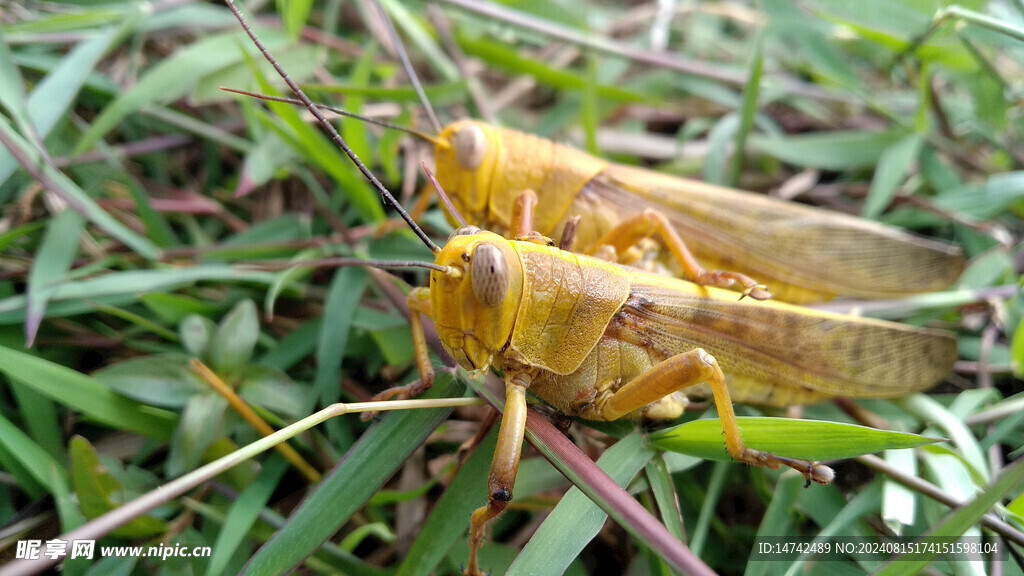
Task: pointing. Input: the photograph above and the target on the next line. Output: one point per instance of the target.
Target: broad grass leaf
(157, 380)
(234, 343)
(87, 395)
(805, 439)
(893, 167)
(50, 267)
(201, 425)
(838, 150)
(100, 492)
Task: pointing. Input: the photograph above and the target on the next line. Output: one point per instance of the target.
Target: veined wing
(784, 243)
(778, 354)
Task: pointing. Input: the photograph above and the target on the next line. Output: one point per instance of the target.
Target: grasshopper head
(485, 168)
(474, 305)
(466, 168)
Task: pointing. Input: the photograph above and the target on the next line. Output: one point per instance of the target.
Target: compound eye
(490, 275)
(470, 147)
(464, 231)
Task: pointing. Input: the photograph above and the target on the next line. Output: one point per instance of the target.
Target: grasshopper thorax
(474, 304)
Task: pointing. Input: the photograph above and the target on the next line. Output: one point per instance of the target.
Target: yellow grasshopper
(802, 254)
(603, 341)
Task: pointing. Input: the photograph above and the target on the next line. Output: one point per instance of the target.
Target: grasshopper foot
(721, 279)
(536, 238)
(812, 471)
(757, 292)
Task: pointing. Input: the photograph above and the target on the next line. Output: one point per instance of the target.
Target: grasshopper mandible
(603, 341)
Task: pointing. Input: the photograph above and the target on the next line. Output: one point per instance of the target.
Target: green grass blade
(12, 86)
(294, 15)
(85, 394)
(344, 294)
(893, 167)
(847, 150)
(510, 60)
(716, 485)
(244, 513)
(576, 519)
(41, 418)
(899, 503)
(131, 283)
(665, 496)
(720, 137)
(751, 91)
(50, 99)
(952, 426)
(422, 39)
(50, 473)
(777, 521)
(805, 439)
(320, 151)
(43, 468)
(53, 260)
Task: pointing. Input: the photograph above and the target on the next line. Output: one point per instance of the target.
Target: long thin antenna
(339, 112)
(444, 196)
(326, 125)
(407, 66)
(343, 262)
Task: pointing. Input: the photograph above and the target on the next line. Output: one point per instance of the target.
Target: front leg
(419, 304)
(689, 369)
(505, 463)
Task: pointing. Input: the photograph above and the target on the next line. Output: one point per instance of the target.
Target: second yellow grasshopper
(601, 341)
(802, 254)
